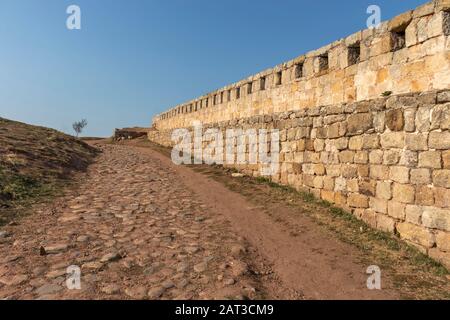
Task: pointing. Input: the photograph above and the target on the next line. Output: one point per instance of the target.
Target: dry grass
(35, 162)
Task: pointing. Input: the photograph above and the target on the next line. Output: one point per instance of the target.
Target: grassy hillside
(35, 162)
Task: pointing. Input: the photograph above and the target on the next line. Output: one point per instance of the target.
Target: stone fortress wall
(364, 123)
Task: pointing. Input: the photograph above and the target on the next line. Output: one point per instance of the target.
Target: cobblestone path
(135, 231)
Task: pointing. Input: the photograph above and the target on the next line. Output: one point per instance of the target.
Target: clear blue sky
(135, 58)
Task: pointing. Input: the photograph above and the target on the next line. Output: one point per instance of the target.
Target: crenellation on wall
(359, 67)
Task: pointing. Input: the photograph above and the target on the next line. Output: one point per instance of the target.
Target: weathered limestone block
(367, 187)
(416, 234)
(376, 156)
(333, 170)
(441, 256)
(400, 22)
(359, 123)
(370, 141)
(378, 205)
(441, 178)
(379, 172)
(393, 140)
(443, 97)
(391, 157)
(357, 200)
(384, 190)
(361, 157)
(396, 210)
(414, 214)
(327, 195)
(409, 158)
(436, 218)
(368, 216)
(443, 240)
(336, 144)
(363, 170)
(328, 183)
(416, 141)
(440, 117)
(379, 122)
(446, 159)
(385, 223)
(410, 118)
(346, 156)
(424, 10)
(420, 176)
(340, 184)
(423, 122)
(395, 120)
(403, 193)
(430, 159)
(399, 174)
(425, 195)
(442, 5)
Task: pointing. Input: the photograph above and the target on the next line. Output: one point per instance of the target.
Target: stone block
(371, 141)
(443, 97)
(352, 185)
(409, 158)
(425, 195)
(384, 190)
(430, 159)
(441, 178)
(399, 174)
(361, 157)
(355, 143)
(420, 176)
(391, 157)
(413, 214)
(403, 193)
(443, 241)
(378, 205)
(436, 218)
(385, 223)
(400, 22)
(369, 216)
(423, 116)
(393, 140)
(395, 120)
(446, 159)
(439, 140)
(424, 10)
(440, 117)
(379, 172)
(327, 195)
(356, 200)
(367, 187)
(416, 234)
(410, 120)
(442, 197)
(416, 141)
(396, 210)
(346, 156)
(376, 156)
(441, 256)
(359, 123)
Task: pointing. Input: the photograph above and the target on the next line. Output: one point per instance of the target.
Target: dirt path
(140, 227)
(317, 266)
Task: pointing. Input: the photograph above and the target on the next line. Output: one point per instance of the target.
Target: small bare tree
(79, 126)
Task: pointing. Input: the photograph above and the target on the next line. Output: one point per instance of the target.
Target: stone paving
(134, 231)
